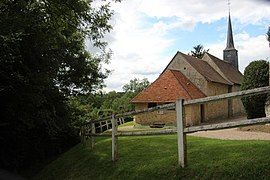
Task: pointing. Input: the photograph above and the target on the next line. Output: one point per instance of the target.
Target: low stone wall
(191, 117)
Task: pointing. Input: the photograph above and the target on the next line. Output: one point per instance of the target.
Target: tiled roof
(228, 70)
(168, 87)
(205, 69)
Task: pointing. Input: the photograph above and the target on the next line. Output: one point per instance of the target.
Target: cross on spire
(229, 6)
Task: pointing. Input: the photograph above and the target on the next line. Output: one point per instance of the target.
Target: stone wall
(216, 110)
(192, 115)
(238, 107)
(180, 64)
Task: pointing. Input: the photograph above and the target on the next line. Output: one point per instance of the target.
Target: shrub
(256, 75)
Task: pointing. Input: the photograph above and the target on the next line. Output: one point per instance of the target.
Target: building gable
(225, 69)
(202, 67)
(168, 87)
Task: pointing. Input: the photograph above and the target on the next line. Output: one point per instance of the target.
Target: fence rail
(181, 129)
(250, 92)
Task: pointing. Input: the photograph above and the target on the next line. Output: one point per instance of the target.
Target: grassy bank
(155, 157)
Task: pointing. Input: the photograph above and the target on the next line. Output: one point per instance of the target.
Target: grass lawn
(155, 157)
(134, 127)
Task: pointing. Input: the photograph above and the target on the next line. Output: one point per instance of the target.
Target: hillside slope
(155, 157)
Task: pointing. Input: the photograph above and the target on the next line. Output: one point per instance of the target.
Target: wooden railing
(89, 130)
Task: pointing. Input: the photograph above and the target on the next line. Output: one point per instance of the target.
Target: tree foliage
(98, 105)
(43, 60)
(198, 51)
(256, 75)
(136, 85)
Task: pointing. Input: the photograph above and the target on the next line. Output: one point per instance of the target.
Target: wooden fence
(88, 129)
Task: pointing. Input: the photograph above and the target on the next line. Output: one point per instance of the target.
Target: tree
(43, 60)
(136, 85)
(199, 51)
(256, 75)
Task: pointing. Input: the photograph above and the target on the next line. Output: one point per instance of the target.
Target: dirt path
(233, 134)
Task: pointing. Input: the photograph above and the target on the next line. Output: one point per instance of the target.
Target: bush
(256, 75)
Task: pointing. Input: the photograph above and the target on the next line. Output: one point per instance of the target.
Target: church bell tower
(230, 54)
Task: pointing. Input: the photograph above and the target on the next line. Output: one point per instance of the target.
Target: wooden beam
(250, 92)
(261, 90)
(147, 133)
(227, 125)
(181, 136)
(83, 135)
(132, 113)
(141, 133)
(114, 139)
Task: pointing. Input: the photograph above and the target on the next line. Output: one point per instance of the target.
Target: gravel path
(233, 134)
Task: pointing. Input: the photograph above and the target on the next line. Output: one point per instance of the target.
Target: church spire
(230, 54)
(230, 44)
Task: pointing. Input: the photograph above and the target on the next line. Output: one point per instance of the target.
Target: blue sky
(148, 33)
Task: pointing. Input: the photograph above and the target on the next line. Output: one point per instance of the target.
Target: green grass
(155, 157)
(134, 127)
(131, 123)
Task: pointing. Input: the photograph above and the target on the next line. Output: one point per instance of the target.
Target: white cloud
(249, 49)
(141, 34)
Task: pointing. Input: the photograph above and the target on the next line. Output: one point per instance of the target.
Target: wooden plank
(227, 125)
(100, 127)
(261, 90)
(107, 125)
(114, 139)
(181, 136)
(142, 133)
(132, 113)
(193, 129)
(92, 138)
(83, 135)
(147, 133)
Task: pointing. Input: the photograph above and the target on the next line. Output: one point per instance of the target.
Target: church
(187, 77)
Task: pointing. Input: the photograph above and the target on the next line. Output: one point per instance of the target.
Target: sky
(147, 34)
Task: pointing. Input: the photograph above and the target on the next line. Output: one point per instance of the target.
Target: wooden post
(107, 124)
(100, 127)
(83, 138)
(93, 131)
(123, 120)
(181, 136)
(114, 139)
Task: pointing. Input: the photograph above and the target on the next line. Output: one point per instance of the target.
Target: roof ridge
(219, 59)
(207, 64)
(222, 61)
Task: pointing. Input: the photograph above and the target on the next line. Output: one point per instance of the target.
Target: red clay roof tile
(168, 87)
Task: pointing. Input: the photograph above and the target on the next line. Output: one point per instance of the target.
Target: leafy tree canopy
(136, 85)
(256, 75)
(198, 51)
(43, 59)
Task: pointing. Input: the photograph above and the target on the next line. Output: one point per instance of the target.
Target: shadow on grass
(155, 157)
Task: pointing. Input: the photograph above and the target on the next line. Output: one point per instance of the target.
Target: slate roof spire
(230, 54)
(230, 44)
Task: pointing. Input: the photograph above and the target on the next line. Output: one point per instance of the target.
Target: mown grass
(155, 157)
